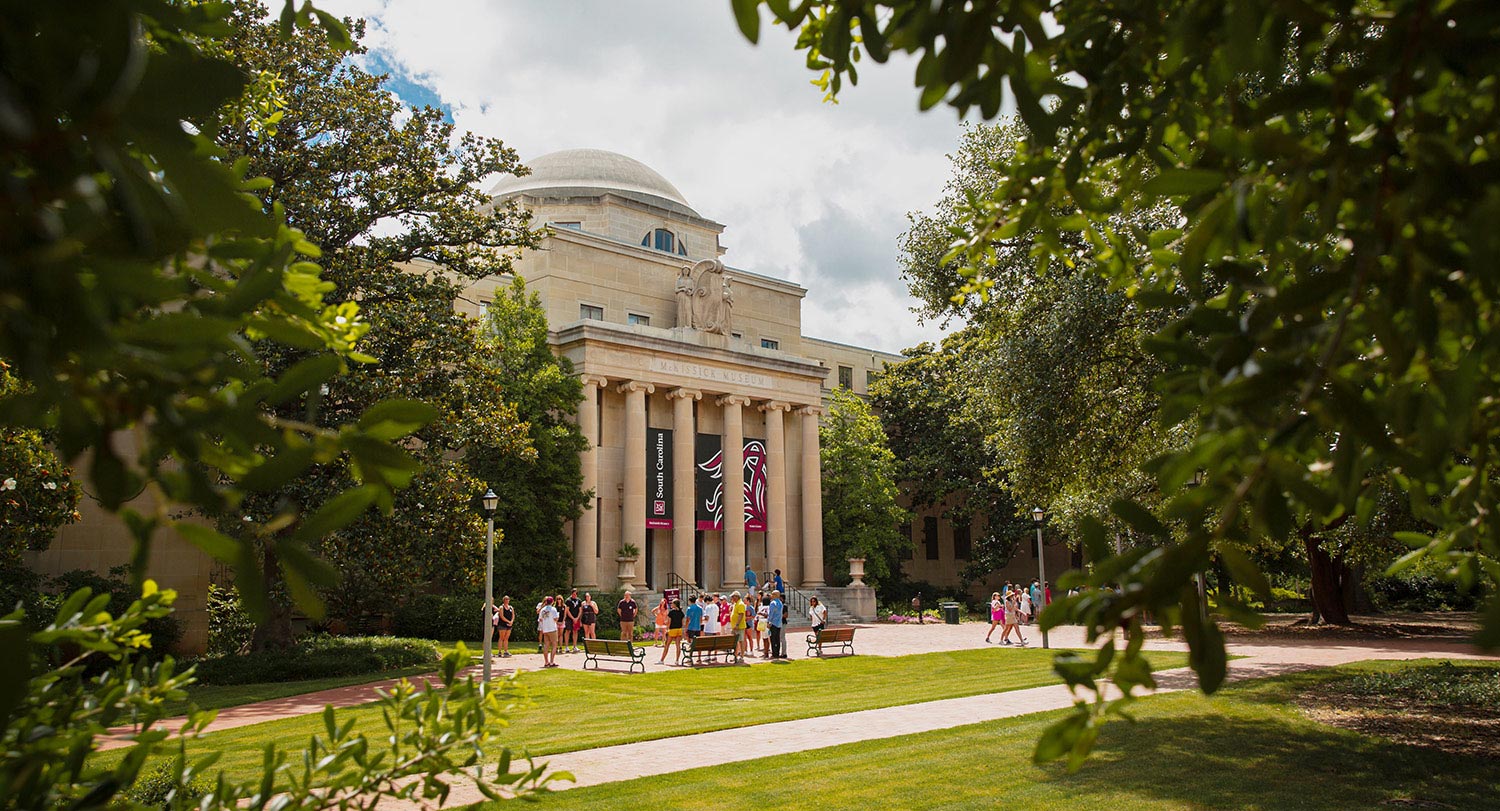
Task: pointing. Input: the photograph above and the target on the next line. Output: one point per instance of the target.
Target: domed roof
(582, 171)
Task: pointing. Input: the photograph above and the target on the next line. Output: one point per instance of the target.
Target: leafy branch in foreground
(1330, 289)
(57, 706)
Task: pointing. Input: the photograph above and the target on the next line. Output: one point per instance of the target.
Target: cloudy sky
(811, 192)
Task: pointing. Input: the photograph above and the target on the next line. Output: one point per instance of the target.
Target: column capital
(733, 399)
(684, 394)
(775, 405)
(635, 385)
(595, 380)
(810, 411)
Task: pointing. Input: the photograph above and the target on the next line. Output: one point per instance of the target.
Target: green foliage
(165, 632)
(540, 485)
(861, 518)
(1328, 296)
(443, 617)
(1445, 686)
(37, 491)
(392, 195)
(315, 657)
(54, 717)
(143, 283)
(230, 626)
(162, 787)
(1421, 590)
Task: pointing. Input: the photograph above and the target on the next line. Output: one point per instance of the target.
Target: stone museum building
(702, 400)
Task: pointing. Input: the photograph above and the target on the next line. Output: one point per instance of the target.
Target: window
(961, 545)
(737, 335)
(929, 536)
(870, 376)
(906, 551)
(768, 343)
(484, 309)
(576, 226)
(663, 240)
(846, 377)
(589, 312)
(637, 319)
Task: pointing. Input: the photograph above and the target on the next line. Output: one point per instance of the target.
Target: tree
(1330, 285)
(37, 491)
(931, 409)
(141, 284)
(541, 491)
(380, 187)
(861, 518)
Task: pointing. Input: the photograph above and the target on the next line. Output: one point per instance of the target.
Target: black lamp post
(491, 501)
(1038, 515)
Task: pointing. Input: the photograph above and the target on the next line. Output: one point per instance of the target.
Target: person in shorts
(627, 609)
(589, 617)
(763, 627)
(694, 616)
(819, 613)
(505, 620)
(675, 619)
(572, 621)
(997, 614)
(737, 611)
(661, 616)
(546, 626)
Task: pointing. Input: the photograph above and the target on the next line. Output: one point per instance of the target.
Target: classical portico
(731, 484)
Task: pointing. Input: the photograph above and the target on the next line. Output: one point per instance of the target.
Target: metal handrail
(686, 587)
(794, 598)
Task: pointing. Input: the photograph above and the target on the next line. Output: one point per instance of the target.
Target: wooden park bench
(711, 645)
(842, 636)
(614, 650)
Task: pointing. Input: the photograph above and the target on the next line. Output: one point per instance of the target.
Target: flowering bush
(37, 492)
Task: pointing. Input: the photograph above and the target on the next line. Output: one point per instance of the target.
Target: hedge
(316, 657)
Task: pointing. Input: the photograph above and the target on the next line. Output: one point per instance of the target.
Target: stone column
(776, 485)
(586, 528)
(684, 503)
(812, 499)
(633, 508)
(734, 488)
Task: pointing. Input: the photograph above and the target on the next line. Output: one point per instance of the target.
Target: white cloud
(737, 128)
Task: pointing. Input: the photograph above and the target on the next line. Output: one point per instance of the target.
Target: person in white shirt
(763, 626)
(1026, 607)
(710, 615)
(546, 626)
(819, 614)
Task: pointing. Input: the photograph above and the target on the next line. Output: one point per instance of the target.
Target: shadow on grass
(1260, 760)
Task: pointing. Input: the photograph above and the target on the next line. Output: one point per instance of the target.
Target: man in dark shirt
(572, 620)
(626, 607)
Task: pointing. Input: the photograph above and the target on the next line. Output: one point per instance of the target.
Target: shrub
(432, 616)
(1421, 591)
(316, 657)
(165, 631)
(230, 627)
(160, 788)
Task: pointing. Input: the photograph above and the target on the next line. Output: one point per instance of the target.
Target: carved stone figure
(685, 297)
(712, 300)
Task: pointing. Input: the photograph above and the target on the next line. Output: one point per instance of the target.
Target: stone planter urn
(627, 570)
(856, 572)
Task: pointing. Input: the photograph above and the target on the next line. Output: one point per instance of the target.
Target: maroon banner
(709, 477)
(658, 478)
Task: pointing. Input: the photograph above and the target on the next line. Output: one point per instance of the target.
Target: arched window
(663, 240)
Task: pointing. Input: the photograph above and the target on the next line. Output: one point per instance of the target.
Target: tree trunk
(274, 632)
(1328, 576)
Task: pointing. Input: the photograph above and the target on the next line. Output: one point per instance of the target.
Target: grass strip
(1246, 748)
(570, 710)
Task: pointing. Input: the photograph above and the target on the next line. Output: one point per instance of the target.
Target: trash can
(950, 613)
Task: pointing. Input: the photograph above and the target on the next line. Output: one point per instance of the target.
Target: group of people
(1015, 606)
(756, 621)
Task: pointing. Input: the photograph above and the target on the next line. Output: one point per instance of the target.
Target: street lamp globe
(491, 501)
(1037, 514)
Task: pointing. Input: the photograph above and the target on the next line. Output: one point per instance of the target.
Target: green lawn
(1247, 748)
(573, 710)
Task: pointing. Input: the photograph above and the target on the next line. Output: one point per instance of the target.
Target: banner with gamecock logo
(709, 478)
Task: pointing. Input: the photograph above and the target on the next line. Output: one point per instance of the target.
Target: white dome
(584, 171)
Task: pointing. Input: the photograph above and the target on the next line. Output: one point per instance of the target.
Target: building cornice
(688, 346)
